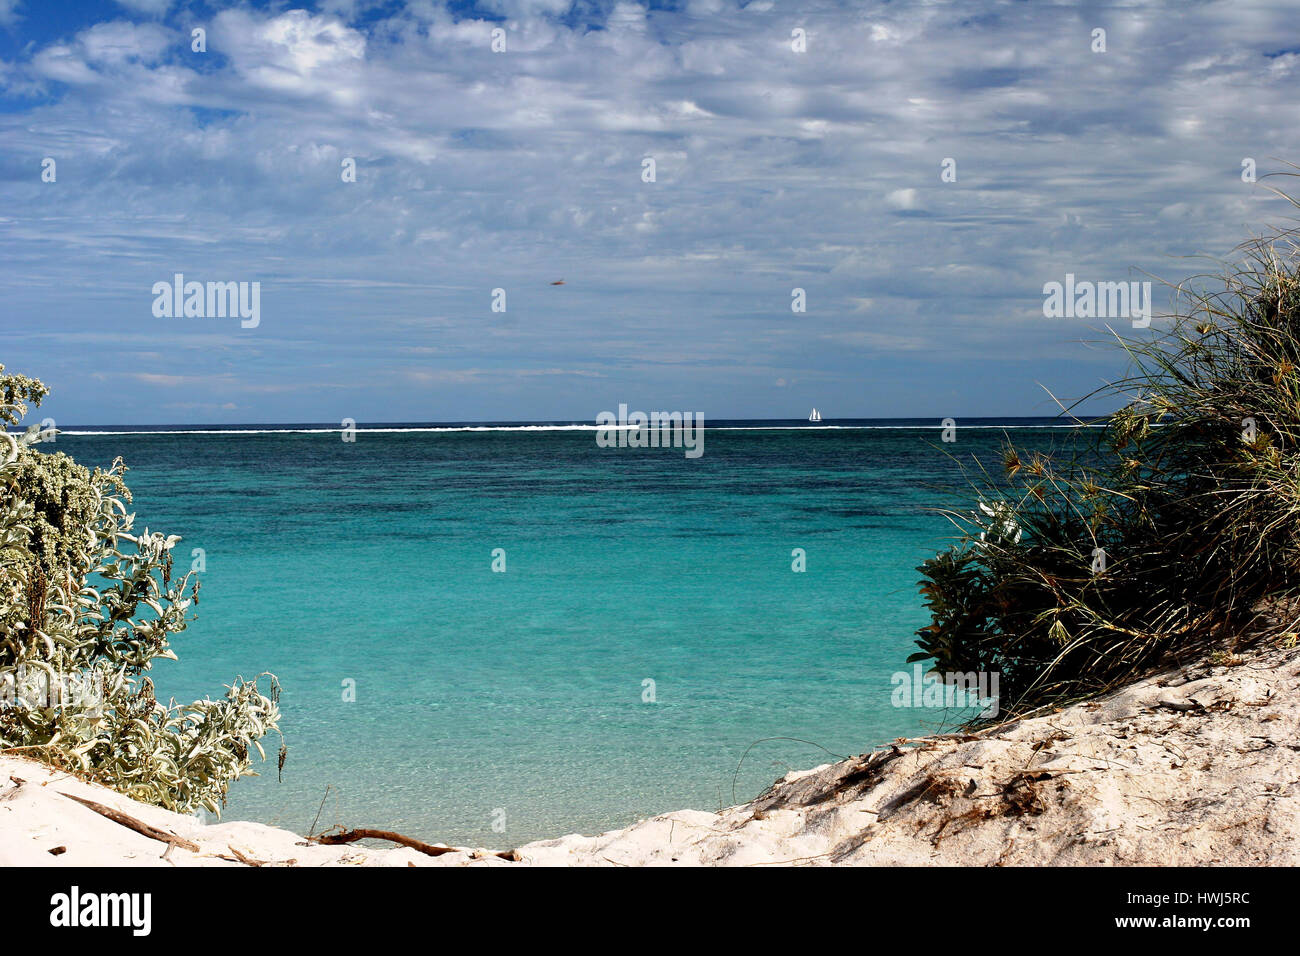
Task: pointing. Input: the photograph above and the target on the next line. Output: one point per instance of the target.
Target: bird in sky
(560, 282)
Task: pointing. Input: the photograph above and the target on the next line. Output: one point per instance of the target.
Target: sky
(795, 146)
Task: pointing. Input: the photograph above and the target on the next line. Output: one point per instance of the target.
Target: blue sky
(477, 170)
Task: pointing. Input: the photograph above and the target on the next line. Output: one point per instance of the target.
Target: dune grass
(1074, 575)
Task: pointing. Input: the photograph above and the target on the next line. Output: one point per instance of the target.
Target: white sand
(1198, 766)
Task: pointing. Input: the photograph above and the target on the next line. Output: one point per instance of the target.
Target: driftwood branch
(246, 860)
(364, 833)
(131, 823)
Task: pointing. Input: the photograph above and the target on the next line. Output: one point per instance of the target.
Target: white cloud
(64, 64)
(306, 43)
(119, 41)
(296, 53)
(902, 198)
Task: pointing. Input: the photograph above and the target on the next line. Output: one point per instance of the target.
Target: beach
(1194, 766)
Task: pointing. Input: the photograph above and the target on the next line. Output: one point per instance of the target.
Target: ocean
(647, 647)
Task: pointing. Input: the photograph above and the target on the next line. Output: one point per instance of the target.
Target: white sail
(816, 416)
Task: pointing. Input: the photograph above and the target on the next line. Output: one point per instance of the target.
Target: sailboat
(816, 416)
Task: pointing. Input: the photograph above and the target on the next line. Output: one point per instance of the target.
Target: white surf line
(546, 428)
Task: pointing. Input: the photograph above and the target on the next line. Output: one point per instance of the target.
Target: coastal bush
(86, 605)
(1074, 575)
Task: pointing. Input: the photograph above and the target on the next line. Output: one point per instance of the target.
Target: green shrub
(1192, 492)
(86, 605)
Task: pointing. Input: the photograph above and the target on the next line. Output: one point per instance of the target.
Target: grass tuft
(1076, 574)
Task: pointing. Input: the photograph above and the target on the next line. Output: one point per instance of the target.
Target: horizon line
(825, 424)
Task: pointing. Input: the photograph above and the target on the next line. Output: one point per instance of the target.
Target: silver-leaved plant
(87, 604)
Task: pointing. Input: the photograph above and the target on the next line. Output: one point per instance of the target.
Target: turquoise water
(520, 694)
